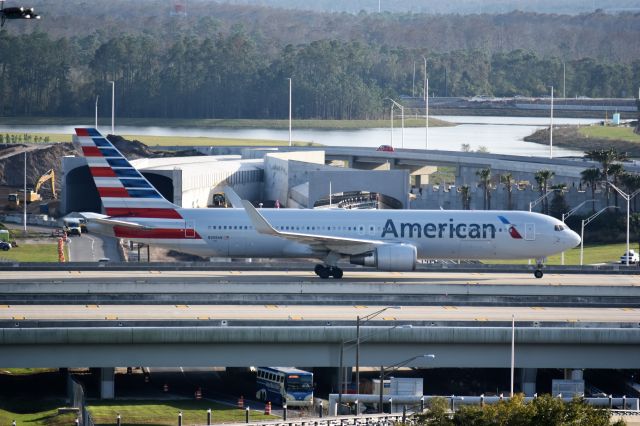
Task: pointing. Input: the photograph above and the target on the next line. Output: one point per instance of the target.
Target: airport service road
(91, 248)
(292, 314)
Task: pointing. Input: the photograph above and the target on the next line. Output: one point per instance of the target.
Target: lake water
(500, 135)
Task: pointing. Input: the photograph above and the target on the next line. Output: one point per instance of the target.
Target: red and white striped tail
(123, 190)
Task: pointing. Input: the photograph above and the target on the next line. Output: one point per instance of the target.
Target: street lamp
(533, 203)
(359, 321)
(566, 215)
(627, 197)
(113, 107)
(401, 112)
(290, 104)
(97, 97)
(551, 128)
(385, 371)
(588, 220)
(355, 342)
(426, 104)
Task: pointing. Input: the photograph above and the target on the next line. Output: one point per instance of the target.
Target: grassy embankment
(217, 123)
(166, 412)
(35, 413)
(587, 138)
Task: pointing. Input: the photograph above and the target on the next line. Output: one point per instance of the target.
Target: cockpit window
(559, 227)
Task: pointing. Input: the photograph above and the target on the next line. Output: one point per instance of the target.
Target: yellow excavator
(15, 199)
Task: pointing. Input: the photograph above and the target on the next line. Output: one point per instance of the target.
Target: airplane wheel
(324, 273)
(337, 273)
(538, 273)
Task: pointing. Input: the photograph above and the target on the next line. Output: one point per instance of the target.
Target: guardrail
(451, 266)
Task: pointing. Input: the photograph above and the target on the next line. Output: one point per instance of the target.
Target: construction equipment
(50, 175)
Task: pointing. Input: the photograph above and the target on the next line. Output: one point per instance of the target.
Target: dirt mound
(41, 158)
(135, 149)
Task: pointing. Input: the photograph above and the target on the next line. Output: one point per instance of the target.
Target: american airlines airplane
(389, 240)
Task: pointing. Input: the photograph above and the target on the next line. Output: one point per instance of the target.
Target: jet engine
(390, 257)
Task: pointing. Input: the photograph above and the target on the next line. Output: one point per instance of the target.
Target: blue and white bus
(281, 385)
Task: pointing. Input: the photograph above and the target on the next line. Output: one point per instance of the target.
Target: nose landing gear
(325, 272)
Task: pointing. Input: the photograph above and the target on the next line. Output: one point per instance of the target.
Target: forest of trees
(343, 66)
(228, 76)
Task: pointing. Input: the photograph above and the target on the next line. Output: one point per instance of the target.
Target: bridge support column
(528, 381)
(107, 383)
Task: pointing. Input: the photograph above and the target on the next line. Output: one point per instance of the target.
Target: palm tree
(465, 193)
(543, 178)
(616, 170)
(606, 158)
(485, 181)
(507, 179)
(631, 183)
(591, 177)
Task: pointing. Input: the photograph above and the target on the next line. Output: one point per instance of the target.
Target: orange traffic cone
(267, 408)
(241, 402)
(198, 393)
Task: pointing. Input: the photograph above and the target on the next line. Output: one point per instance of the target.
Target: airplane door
(189, 231)
(530, 231)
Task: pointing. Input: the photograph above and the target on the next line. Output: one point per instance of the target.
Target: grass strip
(133, 412)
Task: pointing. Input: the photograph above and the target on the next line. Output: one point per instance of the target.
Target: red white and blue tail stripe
(123, 190)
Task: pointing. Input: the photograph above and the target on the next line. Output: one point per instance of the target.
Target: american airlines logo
(440, 230)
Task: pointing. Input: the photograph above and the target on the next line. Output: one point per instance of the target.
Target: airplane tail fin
(124, 191)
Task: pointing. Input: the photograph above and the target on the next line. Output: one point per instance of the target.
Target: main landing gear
(539, 265)
(325, 272)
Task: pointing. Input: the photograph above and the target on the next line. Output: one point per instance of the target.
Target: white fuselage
(436, 234)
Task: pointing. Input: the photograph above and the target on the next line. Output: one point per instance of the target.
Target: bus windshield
(298, 383)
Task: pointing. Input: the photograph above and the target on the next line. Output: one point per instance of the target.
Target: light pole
(290, 104)
(385, 371)
(513, 349)
(359, 321)
(566, 215)
(355, 342)
(97, 97)
(585, 222)
(24, 197)
(533, 203)
(113, 107)
(564, 80)
(426, 104)
(401, 112)
(627, 197)
(551, 128)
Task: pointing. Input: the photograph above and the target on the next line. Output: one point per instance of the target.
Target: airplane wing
(347, 246)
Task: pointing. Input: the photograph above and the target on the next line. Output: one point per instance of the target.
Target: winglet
(233, 197)
(258, 221)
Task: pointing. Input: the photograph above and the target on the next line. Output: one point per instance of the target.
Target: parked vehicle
(5, 246)
(632, 255)
(387, 148)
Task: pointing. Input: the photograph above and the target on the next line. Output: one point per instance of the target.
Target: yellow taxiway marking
(295, 317)
(5, 306)
(203, 318)
(450, 308)
(111, 317)
(627, 309)
(537, 308)
(18, 318)
(388, 318)
(182, 306)
(482, 319)
(360, 307)
(92, 306)
(271, 306)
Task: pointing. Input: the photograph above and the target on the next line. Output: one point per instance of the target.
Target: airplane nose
(574, 239)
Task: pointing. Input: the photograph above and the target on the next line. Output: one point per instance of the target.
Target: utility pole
(551, 128)
(24, 197)
(289, 111)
